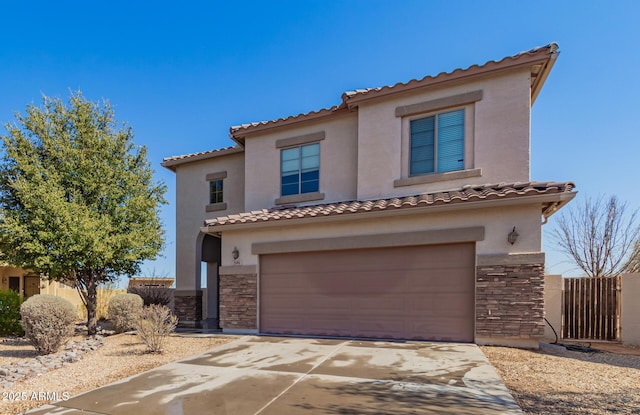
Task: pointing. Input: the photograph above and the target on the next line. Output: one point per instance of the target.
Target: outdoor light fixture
(235, 253)
(513, 235)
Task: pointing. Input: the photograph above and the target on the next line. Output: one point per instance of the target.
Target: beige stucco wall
(6, 272)
(60, 290)
(553, 306)
(192, 197)
(630, 320)
(338, 155)
(497, 141)
(498, 222)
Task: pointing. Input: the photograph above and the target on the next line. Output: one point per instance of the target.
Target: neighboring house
(19, 280)
(28, 284)
(152, 282)
(405, 212)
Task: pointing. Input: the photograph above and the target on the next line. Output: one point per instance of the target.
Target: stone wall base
(188, 308)
(238, 301)
(510, 303)
(533, 344)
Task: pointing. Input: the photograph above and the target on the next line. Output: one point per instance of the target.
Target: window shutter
(451, 141)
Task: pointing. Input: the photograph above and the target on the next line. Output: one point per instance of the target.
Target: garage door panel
(423, 292)
(385, 259)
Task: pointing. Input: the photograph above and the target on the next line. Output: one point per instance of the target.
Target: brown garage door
(415, 292)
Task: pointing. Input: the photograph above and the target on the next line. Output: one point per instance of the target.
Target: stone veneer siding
(238, 301)
(510, 301)
(188, 308)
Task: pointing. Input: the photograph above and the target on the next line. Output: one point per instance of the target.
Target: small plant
(48, 322)
(154, 324)
(124, 309)
(10, 313)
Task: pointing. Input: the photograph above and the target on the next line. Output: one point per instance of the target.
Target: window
(215, 191)
(437, 143)
(300, 169)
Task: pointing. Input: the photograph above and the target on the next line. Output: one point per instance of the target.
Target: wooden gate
(591, 308)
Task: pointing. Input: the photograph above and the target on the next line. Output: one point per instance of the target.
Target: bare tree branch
(599, 235)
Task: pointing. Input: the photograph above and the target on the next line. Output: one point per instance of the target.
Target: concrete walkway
(274, 376)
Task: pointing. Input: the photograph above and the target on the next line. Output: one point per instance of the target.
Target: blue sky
(182, 73)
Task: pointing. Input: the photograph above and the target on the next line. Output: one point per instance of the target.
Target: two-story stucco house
(405, 212)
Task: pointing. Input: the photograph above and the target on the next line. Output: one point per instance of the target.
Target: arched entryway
(210, 258)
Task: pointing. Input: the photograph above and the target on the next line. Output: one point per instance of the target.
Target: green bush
(124, 309)
(154, 324)
(10, 313)
(48, 321)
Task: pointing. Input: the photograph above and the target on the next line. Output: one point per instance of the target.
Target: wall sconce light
(235, 253)
(513, 236)
(4, 280)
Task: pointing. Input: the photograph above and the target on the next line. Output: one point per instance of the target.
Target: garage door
(415, 292)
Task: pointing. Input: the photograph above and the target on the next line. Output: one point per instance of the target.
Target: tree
(598, 235)
(633, 265)
(78, 201)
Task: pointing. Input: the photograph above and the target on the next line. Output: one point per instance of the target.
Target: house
(406, 212)
(19, 280)
(29, 283)
(150, 282)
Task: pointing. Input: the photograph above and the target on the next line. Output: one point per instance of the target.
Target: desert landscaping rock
(558, 381)
(117, 357)
(73, 351)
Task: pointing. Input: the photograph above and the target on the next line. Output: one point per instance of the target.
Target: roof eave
(172, 164)
(543, 75)
(543, 200)
(239, 134)
(545, 57)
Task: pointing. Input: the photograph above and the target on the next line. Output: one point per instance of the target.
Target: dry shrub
(48, 322)
(153, 294)
(124, 310)
(154, 324)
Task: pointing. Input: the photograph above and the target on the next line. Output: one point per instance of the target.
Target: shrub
(124, 310)
(152, 295)
(48, 321)
(10, 313)
(105, 294)
(154, 324)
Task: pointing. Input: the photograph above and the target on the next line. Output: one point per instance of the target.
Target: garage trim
(432, 237)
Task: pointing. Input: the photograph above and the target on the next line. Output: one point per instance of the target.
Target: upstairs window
(300, 169)
(215, 191)
(437, 143)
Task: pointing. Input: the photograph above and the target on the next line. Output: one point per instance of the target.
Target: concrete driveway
(275, 376)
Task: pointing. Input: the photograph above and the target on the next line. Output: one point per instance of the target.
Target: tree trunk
(92, 305)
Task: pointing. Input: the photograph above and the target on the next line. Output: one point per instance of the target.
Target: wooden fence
(591, 308)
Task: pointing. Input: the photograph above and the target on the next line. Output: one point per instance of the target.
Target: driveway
(275, 375)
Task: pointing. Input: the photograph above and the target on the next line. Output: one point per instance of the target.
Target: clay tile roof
(533, 56)
(469, 193)
(347, 97)
(171, 162)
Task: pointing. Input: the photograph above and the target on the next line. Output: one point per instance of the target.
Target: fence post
(553, 305)
(630, 316)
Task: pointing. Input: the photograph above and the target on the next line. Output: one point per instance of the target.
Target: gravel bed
(557, 381)
(120, 356)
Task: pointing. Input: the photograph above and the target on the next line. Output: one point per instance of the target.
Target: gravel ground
(554, 381)
(121, 356)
